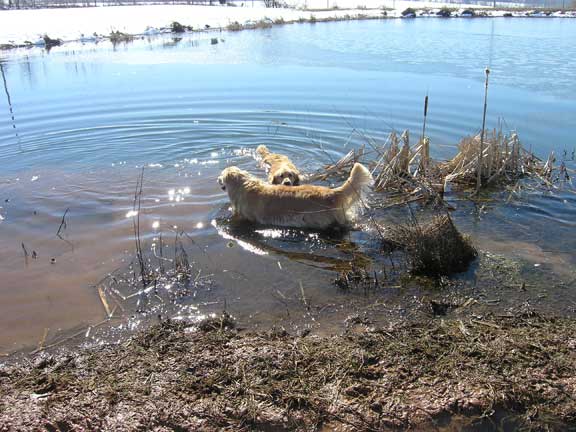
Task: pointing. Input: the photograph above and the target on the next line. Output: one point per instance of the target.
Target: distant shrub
(176, 27)
(313, 19)
(51, 42)
(409, 13)
(264, 23)
(444, 12)
(234, 26)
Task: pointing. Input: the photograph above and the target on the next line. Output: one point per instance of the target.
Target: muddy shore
(477, 373)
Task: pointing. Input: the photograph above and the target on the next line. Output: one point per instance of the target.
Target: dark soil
(176, 376)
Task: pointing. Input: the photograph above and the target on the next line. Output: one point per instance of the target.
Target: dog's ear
(295, 179)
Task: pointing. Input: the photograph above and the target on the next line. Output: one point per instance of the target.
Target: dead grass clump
(356, 278)
(234, 26)
(435, 248)
(116, 36)
(217, 323)
(407, 173)
(263, 23)
(499, 158)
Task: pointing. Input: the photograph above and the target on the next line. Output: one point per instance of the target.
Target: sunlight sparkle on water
(155, 224)
(270, 233)
(200, 225)
(131, 213)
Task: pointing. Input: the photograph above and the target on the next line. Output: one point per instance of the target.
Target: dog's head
(285, 177)
(231, 178)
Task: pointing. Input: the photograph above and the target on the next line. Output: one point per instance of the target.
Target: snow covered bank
(19, 26)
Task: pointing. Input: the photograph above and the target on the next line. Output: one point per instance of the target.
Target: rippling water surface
(86, 118)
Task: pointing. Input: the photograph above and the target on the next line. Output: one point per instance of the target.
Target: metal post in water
(480, 155)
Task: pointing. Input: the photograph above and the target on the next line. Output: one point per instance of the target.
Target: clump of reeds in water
(496, 159)
(434, 248)
(116, 36)
(399, 168)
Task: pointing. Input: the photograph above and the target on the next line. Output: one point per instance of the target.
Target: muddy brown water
(87, 118)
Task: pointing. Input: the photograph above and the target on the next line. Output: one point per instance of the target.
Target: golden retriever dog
(306, 206)
(281, 170)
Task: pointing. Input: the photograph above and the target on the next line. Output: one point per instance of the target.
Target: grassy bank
(174, 377)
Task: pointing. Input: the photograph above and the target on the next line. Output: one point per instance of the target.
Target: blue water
(86, 117)
(92, 105)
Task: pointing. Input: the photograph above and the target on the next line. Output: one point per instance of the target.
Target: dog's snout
(287, 182)
(221, 183)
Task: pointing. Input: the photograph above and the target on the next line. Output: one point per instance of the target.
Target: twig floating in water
(25, 253)
(63, 223)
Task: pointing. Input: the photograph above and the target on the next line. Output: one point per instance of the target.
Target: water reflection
(185, 109)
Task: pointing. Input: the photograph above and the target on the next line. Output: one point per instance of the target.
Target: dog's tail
(355, 189)
(262, 151)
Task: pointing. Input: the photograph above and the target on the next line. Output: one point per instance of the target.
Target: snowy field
(18, 26)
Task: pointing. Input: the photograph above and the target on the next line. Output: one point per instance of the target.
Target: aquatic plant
(116, 36)
(234, 26)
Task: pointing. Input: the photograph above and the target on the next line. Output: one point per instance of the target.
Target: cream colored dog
(306, 206)
(281, 170)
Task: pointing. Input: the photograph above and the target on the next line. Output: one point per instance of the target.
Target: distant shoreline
(28, 28)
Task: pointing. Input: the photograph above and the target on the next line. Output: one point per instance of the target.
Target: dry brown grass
(406, 170)
(408, 377)
(434, 248)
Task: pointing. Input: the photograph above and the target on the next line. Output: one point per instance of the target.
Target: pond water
(84, 119)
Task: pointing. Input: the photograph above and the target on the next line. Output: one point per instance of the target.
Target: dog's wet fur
(306, 206)
(281, 170)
